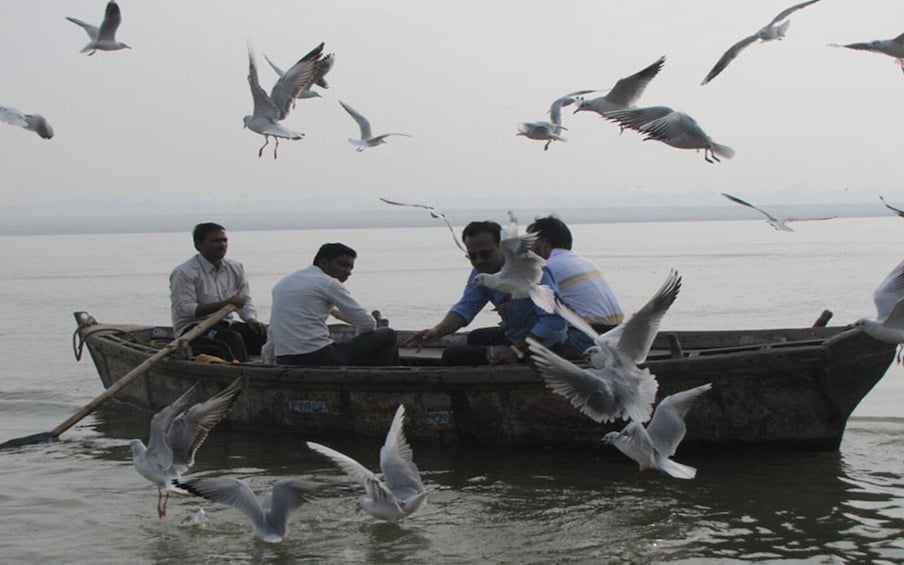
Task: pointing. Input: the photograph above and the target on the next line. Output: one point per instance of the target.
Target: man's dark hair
(477, 228)
(553, 230)
(330, 251)
(201, 230)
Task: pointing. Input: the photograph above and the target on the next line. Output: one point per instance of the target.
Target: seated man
(302, 302)
(207, 282)
(580, 281)
(520, 317)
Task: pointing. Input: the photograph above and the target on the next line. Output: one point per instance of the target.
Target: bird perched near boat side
(780, 224)
(176, 433)
(403, 491)
(434, 213)
(32, 122)
(775, 29)
(269, 513)
(624, 94)
(319, 78)
(671, 127)
(888, 327)
(521, 273)
(897, 211)
(104, 37)
(368, 139)
(552, 130)
(891, 47)
(652, 447)
(272, 109)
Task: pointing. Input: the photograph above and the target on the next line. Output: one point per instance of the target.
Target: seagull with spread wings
(521, 273)
(104, 37)
(780, 224)
(552, 130)
(271, 109)
(677, 129)
(775, 29)
(319, 79)
(31, 122)
(892, 47)
(368, 139)
(888, 326)
(434, 213)
(624, 94)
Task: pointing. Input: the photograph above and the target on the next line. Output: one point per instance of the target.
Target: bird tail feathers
(544, 297)
(723, 150)
(677, 470)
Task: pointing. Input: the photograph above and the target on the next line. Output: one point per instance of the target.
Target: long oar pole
(123, 381)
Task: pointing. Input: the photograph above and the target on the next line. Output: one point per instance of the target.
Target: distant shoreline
(405, 217)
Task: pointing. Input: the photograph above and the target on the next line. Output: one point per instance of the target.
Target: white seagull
(624, 94)
(104, 37)
(888, 326)
(897, 211)
(272, 109)
(269, 513)
(521, 273)
(368, 139)
(434, 213)
(31, 122)
(671, 127)
(176, 434)
(891, 47)
(772, 30)
(325, 65)
(403, 491)
(550, 131)
(780, 224)
(652, 447)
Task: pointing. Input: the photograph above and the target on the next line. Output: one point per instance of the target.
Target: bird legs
(710, 155)
(260, 151)
(163, 497)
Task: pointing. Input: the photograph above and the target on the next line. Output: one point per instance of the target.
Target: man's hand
(419, 338)
(257, 327)
(237, 300)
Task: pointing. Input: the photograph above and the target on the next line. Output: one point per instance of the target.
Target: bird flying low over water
(368, 139)
(402, 493)
(176, 433)
(521, 273)
(775, 29)
(104, 37)
(31, 122)
(269, 513)
(888, 326)
(624, 94)
(897, 211)
(552, 130)
(652, 447)
(780, 224)
(891, 47)
(434, 213)
(671, 127)
(272, 109)
(319, 79)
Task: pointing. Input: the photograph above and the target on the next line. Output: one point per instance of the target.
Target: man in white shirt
(302, 302)
(581, 283)
(207, 282)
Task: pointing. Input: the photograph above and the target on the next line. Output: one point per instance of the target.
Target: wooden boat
(788, 387)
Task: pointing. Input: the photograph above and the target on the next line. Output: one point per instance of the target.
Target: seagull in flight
(402, 493)
(780, 224)
(367, 138)
(652, 447)
(888, 326)
(32, 122)
(671, 127)
(775, 29)
(551, 131)
(272, 109)
(624, 94)
(269, 513)
(434, 213)
(521, 273)
(176, 434)
(325, 65)
(897, 211)
(891, 47)
(104, 37)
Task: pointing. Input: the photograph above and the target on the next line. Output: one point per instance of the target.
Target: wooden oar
(123, 381)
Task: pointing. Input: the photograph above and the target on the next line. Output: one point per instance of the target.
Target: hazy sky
(159, 127)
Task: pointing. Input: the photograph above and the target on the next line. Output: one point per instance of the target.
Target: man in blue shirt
(520, 317)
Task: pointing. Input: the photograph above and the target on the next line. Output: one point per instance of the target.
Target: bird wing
(899, 40)
(91, 30)
(189, 430)
(112, 18)
(520, 262)
(263, 105)
(358, 472)
(555, 109)
(628, 90)
(39, 125)
(424, 206)
(788, 11)
(860, 46)
(385, 135)
(889, 292)
(362, 122)
(667, 427)
(433, 212)
(278, 70)
(231, 491)
(13, 116)
(326, 64)
(737, 200)
(298, 78)
(288, 495)
(640, 330)
(158, 440)
(637, 118)
(897, 211)
(397, 461)
(810, 219)
(728, 57)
